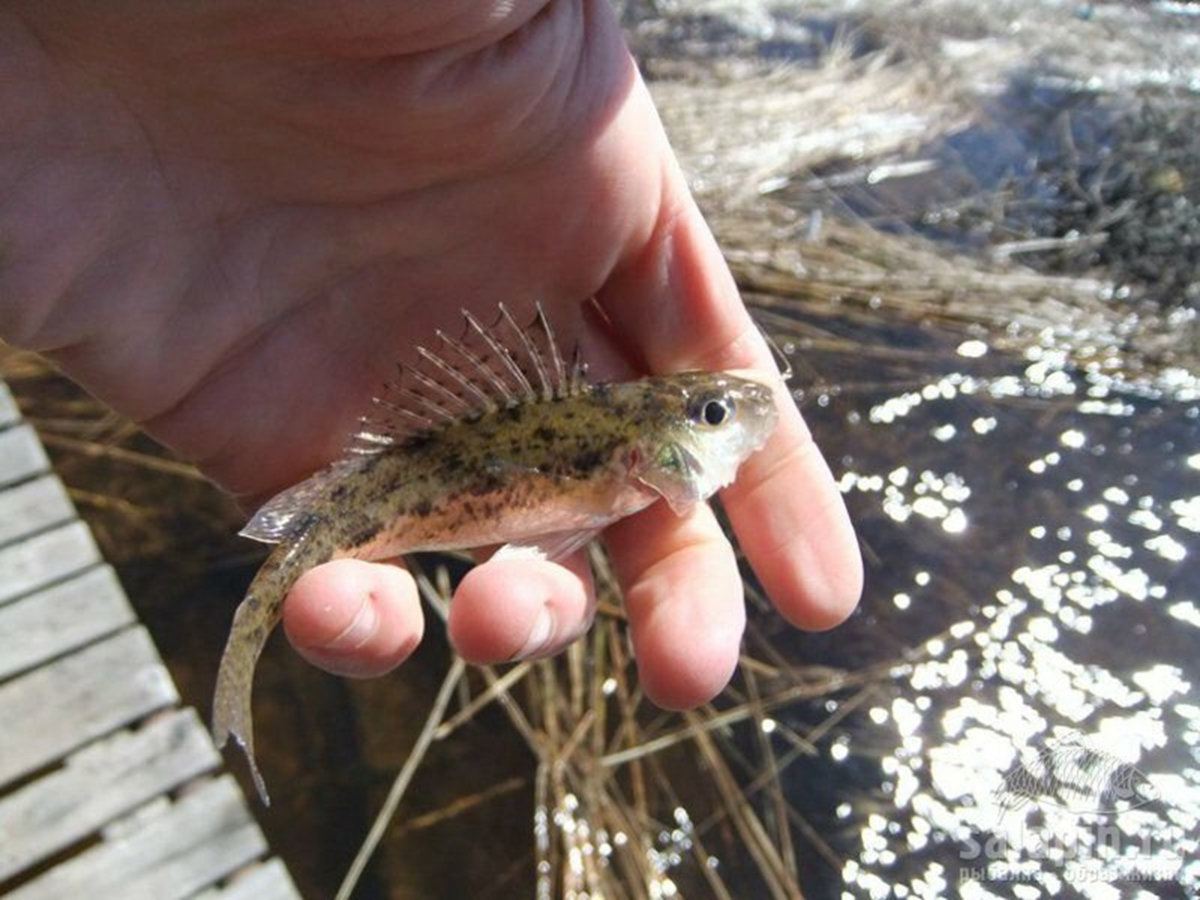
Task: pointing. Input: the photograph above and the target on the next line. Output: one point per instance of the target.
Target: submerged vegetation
(984, 270)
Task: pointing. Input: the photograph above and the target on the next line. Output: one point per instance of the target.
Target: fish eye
(713, 411)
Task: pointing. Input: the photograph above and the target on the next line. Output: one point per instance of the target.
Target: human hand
(230, 221)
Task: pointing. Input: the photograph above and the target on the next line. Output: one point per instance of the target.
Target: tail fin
(253, 623)
(232, 716)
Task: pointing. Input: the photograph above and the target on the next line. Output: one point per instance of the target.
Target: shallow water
(1031, 530)
(1028, 507)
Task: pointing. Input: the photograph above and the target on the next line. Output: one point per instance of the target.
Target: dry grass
(747, 130)
(754, 135)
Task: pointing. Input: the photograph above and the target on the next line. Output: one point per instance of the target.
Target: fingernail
(539, 636)
(359, 631)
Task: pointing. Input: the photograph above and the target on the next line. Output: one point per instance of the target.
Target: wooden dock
(108, 788)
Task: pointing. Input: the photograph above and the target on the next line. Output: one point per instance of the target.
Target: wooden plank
(127, 825)
(57, 708)
(99, 783)
(102, 781)
(269, 881)
(33, 506)
(21, 454)
(45, 558)
(200, 839)
(56, 598)
(61, 618)
(9, 414)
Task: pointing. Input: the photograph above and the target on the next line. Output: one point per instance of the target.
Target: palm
(231, 231)
(304, 236)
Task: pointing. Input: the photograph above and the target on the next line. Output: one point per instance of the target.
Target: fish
(492, 437)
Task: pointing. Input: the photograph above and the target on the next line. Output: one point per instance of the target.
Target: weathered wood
(33, 506)
(190, 845)
(269, 881)
(45, 558)
(74, 669)
(57, 708)
(9, 414)
(99, 783)
(200, 839)
(61, 618)
(21, 454)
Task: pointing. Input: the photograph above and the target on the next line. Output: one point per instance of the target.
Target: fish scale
(492, 439)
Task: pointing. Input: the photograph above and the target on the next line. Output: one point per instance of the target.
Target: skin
(229, 220)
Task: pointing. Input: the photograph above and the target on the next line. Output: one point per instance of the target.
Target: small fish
(492, 439)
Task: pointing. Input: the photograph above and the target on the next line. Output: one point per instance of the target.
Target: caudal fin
(232, 717)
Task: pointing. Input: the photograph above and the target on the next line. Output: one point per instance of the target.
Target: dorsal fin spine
(371, 437)
(505, 357)
(578, 371)
(453, 371)
(428, 383)
(560, 385)
(421, 421)
(532, 352)
(428, 403)
(484, 370)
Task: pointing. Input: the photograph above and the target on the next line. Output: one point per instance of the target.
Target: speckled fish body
(525, 471)
(494, 441)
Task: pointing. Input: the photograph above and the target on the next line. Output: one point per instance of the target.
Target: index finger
(678, 308)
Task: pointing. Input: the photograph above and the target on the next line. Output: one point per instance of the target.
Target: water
(1028, 507)
(1030, 531)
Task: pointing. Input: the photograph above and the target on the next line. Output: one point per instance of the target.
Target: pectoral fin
(554, 546)
(674, 472)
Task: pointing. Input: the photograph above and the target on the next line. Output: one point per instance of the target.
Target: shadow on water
(990, 181)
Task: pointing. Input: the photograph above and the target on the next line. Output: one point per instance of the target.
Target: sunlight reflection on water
(1058, 580)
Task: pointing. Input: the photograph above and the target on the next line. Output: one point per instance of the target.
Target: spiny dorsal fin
(485, 369)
